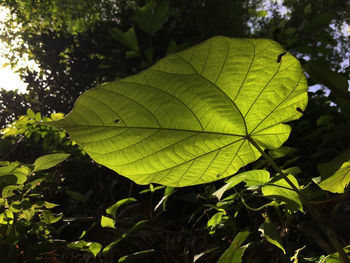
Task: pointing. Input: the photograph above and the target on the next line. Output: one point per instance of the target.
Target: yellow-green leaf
(49, 161)
(278, 188)
(107, 222)
(335, 175)
(189, 119)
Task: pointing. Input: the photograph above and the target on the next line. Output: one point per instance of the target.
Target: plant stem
(329, 232)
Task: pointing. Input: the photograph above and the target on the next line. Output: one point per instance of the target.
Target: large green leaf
(189, 119)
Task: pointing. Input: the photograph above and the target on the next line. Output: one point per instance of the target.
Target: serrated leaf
(335, 175)
(189, 119)
(235, 252)
(270, 233)
(49, 161)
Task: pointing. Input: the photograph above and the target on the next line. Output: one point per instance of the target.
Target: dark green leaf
(235, 252)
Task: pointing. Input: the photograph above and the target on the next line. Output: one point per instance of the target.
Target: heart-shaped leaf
(190, 118)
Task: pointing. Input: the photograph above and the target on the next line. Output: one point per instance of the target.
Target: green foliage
(136, 257)
(335, 174)
(49, 161)
(151, 17)
(112, 210)
(99, 41)
(92, 247)
(253, 178)
(235, 252)
(269, 232)
(320, 73)
(279, 188)
(26, 218)
(190, 118)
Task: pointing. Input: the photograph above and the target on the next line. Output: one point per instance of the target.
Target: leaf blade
(185, 120)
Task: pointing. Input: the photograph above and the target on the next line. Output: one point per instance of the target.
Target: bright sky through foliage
(9, 80)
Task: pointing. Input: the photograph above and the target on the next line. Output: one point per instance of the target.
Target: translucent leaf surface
(189, 119)
(107, 222)
(278, 188)
(49, 161)
(251, 178)
(335, 175)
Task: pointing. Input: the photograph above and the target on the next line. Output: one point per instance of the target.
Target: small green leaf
(107, 222)
(76, 195)
(135, 228)
(126, 38)
(251, 178)
(49, 205)
(215, 221)
(112, 210)
(38, 116)
(57, 116)
(278, 188)
(49, 218)
(270, 233)
(235, 252)
(151, 17)
(21, 173)
(110, 246)
(136, 257)
(335, 174)
(9, 191)
(139, 225)
(198, 256)
(281, 152)
(93, 247)
(30, 113)
(49, 161)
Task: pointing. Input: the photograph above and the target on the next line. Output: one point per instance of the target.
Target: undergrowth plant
(202, 115)
(197, 123)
